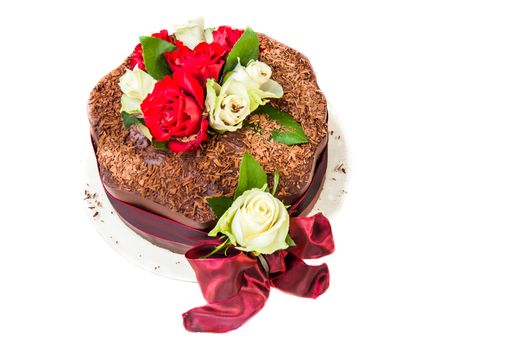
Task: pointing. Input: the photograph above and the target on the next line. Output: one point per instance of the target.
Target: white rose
(260, 88)
(228, 105)
(192, 33)
(135, 85)
(257, 75)
(241, 94)
(255, 222)
(259, 72)
(208, 35)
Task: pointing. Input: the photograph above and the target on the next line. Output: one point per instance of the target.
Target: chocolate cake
(176, 185)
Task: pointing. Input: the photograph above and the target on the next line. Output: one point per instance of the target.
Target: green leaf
(288, 138)
(129, 119)
(276, 180)
(155, 62)
(289, 241)
(246, 48)
(224, 225)
(162, 146)
(293, 133)
(144, 130)
(251, 175)
(219, 205)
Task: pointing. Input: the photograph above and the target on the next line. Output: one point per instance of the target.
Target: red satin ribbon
(179, 238)
(236, 286)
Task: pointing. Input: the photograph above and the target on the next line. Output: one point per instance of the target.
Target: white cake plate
(165, 263)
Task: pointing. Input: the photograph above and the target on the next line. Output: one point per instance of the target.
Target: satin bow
(236, 286)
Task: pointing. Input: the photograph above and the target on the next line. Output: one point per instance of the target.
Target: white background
(431, 240)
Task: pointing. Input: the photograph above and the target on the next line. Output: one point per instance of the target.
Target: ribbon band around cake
(178, 237)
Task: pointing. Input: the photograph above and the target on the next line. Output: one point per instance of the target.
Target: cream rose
(243, 90)
(256, 78)
(192, 33)
(135, 85)
(255, 222)
(259, 72)
(228, 105)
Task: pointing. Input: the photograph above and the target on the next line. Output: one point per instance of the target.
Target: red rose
(137, 55)
(204, 62)
(173, 112)
(226, 36)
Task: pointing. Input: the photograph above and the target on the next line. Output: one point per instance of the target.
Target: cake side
(175, 185)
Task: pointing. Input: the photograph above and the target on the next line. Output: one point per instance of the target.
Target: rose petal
(180, 147)
(226, 36)
(190, 85)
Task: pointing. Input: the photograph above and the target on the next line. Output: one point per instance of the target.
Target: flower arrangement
(196, 81)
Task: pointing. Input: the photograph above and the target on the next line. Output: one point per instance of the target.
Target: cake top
(181, 181)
